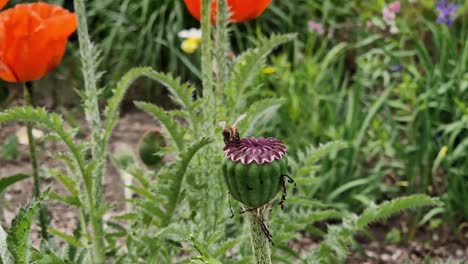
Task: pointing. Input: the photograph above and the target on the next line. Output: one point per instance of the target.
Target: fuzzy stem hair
(260, 243)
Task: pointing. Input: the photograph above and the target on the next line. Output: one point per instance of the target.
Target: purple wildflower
(261, 150)
(396, 68)
(316, 27)
(447, 12)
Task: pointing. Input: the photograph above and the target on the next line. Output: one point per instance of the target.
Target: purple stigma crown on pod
(259, 150)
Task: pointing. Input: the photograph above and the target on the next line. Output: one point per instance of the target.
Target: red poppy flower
(3, 3)
(241, 10)
(33, 39)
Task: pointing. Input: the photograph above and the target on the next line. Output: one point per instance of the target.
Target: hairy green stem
(221, 47)
(89, 58)
(260, 243)
(207, 65)
(91, 106)
(35, 168)
(210, 70)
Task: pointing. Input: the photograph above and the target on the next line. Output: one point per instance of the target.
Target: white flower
(394, 29)
(192, 33)
(191, 39)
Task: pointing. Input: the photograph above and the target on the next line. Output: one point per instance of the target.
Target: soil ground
(438, 245)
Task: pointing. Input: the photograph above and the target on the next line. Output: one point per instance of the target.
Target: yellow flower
(191, 40)
(190, 45)
(269, 70)
(443, 151)
(402, 183)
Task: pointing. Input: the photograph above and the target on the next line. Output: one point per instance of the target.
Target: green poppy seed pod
(151, 143)
(253, 169)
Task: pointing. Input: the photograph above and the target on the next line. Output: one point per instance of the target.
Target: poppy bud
(253, 169)
(149, 147)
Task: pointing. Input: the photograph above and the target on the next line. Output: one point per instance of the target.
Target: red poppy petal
(260, 7)
(35, 39)
(241, 10)
(3, 3)
(194, 7)
(6, 74)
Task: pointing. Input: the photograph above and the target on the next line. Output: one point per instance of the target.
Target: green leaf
(226, 246)
(5, 182)
(172, 127)
(10, 148)
(55, 123)
(335, 245)
(69, 183)
(205, 255)
(18, 235)
(69, 239)
(5, 255)
(50, 258)
(70, 200)
(320, 216)
(345, 187)
(171, 183)
(181, 94)
(113, 104)
(314, 154)
(260, 113)
(370, 115)
(389, 208)
(250, 63)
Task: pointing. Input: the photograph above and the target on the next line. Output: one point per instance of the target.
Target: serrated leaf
(68, 182)
(226, 246)
(172, 127)
(145, 193)
(7, 181)
(18, 235)
(181, 94)
(335, 245)
(127, 216)
(389, 208)
(314, 154)
(261, 112)
(51, 258)
(69, 239)
(250, 63)
(176, 179)
(70, 200)
(320, 216)
(205, 255)
(53, 122)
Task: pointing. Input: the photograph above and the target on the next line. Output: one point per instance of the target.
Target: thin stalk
(27, 87)
(260, 243)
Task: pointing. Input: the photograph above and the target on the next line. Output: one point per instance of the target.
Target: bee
(230, 132)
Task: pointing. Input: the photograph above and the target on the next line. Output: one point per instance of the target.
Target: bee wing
(239, 119)
(222, 124)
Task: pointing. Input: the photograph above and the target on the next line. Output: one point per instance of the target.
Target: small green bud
(150, 147)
